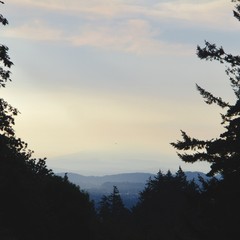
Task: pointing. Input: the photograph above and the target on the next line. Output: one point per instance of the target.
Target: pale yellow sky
(105, 86)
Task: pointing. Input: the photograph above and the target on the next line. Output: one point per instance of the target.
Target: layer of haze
(104, 86)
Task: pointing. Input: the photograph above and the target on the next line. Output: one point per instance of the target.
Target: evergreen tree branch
(189, 143)
(202, 157)
(211, 99)
(236, 12)
(212, 52)
(234, 76)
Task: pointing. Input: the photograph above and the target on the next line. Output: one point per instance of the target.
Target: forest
(37, 204)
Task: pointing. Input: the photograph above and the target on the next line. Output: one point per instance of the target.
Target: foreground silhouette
(220, 210)
(36, 204)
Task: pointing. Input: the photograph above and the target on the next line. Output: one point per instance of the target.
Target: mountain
(87, 182)
(129, 184)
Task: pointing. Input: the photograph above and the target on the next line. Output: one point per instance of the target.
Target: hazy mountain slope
(87, 182)
(129, 184)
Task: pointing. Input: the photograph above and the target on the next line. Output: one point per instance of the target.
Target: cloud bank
(130, 26)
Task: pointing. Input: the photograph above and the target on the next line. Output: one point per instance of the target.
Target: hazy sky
(104, 86)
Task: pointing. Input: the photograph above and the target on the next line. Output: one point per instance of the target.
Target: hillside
(129, 184)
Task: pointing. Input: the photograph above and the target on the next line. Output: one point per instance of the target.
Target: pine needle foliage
(223, 153)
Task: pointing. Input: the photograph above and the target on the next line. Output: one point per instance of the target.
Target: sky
(104, 86)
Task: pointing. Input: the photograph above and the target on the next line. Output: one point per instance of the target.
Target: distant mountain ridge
(88, 182)
(129, 184)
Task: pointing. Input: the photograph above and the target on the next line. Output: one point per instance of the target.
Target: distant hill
(88, 182)
(129, 184)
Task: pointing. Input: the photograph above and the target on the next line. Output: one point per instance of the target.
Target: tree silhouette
(34, 203)
(222, 153)
(165, 207)
(114, 217)
(221, 198)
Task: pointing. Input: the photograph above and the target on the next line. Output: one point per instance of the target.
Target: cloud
(95, 8)
(178, 9)
(210, 14)
(134, 36)
(130, 26)
(36, 30)
(146, 29)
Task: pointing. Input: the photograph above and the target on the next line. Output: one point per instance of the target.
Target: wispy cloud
(129, 26)
(178, 9)
(213, 14)
(131, 35)
(134, 36)
(36, 30)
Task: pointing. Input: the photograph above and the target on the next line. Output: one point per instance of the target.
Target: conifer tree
(111, 207)
(219, 208)
(114, 217)
(223, 153)
(164, 206)
(34, 203)
(117, 206)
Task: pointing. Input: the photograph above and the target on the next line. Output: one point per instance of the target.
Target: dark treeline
(37, 204)
(165, 209)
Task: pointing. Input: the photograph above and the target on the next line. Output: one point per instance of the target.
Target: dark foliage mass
(220, 209)
(34, 203)
(165, 210)
(165, 207)
(37, 204)
(113, 217)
